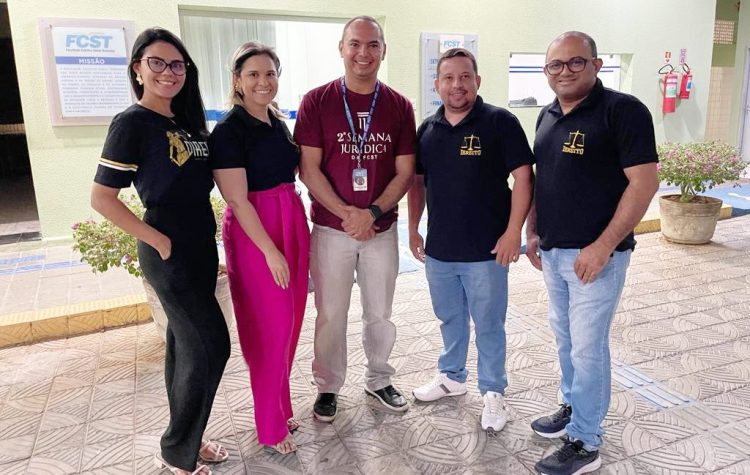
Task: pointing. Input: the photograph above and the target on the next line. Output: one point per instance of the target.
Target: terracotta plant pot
(689, 223)
(160, 317)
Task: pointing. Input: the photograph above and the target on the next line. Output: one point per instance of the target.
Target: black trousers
(197, 338)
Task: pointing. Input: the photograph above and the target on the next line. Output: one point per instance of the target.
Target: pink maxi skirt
(268, 317)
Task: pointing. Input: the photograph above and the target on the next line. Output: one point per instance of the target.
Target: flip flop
(161, 463)
(292, 424)
(279, 447)
(216, 449)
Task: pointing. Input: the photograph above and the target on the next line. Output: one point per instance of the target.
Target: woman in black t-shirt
(159, 145)
(266, 237)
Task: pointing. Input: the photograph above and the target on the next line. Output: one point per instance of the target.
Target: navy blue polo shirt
(580, 158)
(466, 169)
(266, 152)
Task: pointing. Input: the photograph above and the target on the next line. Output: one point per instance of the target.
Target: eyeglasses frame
(566, 64)
(166, 65)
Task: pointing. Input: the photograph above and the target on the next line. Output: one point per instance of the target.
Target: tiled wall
(719, 104)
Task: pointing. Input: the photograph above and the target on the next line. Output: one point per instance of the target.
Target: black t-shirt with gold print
(167, 163)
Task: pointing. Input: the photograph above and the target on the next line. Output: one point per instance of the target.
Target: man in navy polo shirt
(596, 174)
(465, 154)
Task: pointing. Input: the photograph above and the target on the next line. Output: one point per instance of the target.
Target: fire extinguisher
(669, 93)
(686, 85)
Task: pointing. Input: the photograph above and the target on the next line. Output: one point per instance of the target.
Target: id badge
(359, 179)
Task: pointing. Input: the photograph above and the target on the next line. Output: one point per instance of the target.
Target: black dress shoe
(325, 407)
(390, 397)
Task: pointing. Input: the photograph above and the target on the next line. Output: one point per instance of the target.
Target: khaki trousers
(334, 258)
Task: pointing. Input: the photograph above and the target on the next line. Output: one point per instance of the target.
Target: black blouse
(167, 163)
(266, 152)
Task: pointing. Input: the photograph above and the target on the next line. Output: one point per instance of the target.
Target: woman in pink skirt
(266, 237)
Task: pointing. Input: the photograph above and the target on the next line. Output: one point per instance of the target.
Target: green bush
(699, 166)
(103, 245)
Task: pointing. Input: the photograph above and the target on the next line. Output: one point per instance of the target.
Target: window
(527, 84)
(307, 48)
(724, 32)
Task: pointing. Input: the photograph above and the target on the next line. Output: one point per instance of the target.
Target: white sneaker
(438, 388)
(494, 414)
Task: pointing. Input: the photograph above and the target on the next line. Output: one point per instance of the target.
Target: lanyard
(360, 142)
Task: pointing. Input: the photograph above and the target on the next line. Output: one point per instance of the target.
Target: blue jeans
(580, 316)
(479, 289)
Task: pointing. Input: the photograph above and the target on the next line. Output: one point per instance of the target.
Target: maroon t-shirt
(321, 123)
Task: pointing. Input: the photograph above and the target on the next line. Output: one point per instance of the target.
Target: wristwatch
(375, 211)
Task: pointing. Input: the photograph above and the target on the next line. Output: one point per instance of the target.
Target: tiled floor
(37, 277)
(680, 402)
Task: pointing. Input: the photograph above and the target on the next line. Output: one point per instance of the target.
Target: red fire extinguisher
(686, 85)
(669, 92)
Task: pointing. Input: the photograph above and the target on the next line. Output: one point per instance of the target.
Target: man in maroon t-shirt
(358, 142)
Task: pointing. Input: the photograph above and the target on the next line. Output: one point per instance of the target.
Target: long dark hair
(187, 104)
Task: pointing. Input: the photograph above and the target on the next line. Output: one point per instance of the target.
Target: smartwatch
(375, 211)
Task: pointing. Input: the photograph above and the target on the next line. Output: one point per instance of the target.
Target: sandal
(161, 463)
(286, 446)
(218, 452)
(292, 424)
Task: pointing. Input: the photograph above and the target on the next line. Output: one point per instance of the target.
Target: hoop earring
(139, 79)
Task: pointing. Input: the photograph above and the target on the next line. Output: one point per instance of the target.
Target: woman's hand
(278, 267)
(163, 246)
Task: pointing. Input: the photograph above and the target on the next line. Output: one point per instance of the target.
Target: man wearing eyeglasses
(596, 160)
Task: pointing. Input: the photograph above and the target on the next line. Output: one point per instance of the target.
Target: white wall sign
(86, 69)
(432, 46)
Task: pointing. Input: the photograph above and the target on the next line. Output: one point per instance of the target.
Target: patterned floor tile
(114, 451)
(667, 461)
(505, 464)
(100, 399)
(152, 421)
(320, 457)
(387, 465)
(623, 467)
(71, 436)
(16, 448)
(631, 439)
(438, 457)
(111, 428)
(665, 426)
(17, 426)
(709, 452)
(55, 462)
(15, 468)
(742, 468)
(454, 422)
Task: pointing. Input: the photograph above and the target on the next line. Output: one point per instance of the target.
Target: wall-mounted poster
(433, 45)
(86, 68)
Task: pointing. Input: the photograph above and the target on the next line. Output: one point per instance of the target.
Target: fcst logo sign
(87, 41)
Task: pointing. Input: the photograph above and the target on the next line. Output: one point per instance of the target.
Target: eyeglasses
(575, 65)
(158, 65)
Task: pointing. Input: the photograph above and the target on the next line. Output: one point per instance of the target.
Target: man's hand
(532, 250)
(357, 221)
(507, 248)
(367, 235)
(591, 261)
(416, 244)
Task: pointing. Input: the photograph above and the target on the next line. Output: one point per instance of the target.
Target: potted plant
(104, 246)
(690, 218)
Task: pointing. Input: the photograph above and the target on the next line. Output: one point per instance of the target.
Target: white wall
(64, 159)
